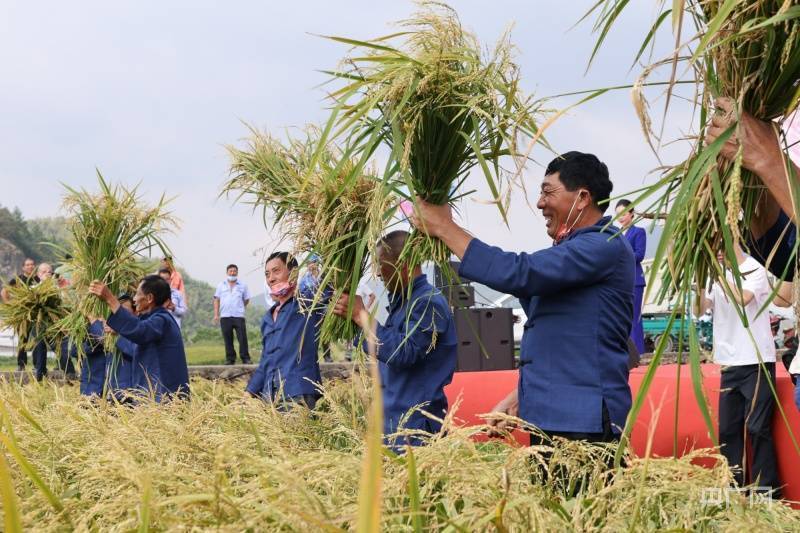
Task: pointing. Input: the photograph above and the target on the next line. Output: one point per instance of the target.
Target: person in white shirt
(230, 303)
(746, 402)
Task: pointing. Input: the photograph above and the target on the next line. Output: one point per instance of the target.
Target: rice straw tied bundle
(112, 232)
(324, 201)
(440, 105)
(32, 310)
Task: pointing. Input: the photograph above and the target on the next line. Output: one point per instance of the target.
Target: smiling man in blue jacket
(159, 364)
(288, 372)
(577, 295)
(416, 346)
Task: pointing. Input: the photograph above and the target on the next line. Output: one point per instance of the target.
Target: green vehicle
(656, 326)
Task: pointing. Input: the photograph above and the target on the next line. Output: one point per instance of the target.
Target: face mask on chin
(281, 290)
(232, 278)
(564, 231)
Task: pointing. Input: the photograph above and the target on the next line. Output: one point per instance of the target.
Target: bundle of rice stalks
(440, 104)
(111, 232)
(324, 201)
(748, 50)
(32, 310)
(216, 462)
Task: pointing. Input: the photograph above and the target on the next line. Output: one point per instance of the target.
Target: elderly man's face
(276, 272)
(44, 271)
(560, 206)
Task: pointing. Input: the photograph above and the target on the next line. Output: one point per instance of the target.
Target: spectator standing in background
(176, 304)
(309, 281)
(45, 271)
(637, 238)
(747, 358)
(230, 303)
(175, 278)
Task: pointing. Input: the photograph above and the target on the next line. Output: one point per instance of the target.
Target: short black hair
(164, 270)
(394, 242)
(158, 287)
(623, 203)
(576, 169)
(287, 259)
(231, 266)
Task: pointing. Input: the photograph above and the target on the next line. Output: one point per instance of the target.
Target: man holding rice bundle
(159, 363)
(416, 346)
(774, 227)
(288, 373)
(578, 297)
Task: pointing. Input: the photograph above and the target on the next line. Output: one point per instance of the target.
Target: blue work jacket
(416, 352)
(637, 238)
(288, 354)
(775, 249)
(93, 365)
(120, 366)
(159, 364)
(578, 298)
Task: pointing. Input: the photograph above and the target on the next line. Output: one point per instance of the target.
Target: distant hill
(42, 239)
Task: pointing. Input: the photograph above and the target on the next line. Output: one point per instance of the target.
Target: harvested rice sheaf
(217, 462)
(112, 231)
(442, 104)
(32, 310)
(323, 200)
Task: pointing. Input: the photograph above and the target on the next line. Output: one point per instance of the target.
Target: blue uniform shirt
(637, 238)
(781, 237)
(288, 355)
(93, 366)
(120, 366)
(159, 364)
(416, 355)
(578, 297)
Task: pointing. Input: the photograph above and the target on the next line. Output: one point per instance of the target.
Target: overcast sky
(150, 92)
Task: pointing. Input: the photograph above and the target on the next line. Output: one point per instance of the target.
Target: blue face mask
(232, 278)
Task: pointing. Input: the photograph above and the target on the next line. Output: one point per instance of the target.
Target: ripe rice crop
(220, 462)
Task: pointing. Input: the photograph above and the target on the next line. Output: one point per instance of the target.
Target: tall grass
(441, 105)
(218, 462)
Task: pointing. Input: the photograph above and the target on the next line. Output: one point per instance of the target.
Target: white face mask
(232, 278)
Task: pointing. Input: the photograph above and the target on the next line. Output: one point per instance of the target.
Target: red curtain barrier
(672, 390)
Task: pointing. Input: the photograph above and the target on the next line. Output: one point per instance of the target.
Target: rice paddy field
(227, 463)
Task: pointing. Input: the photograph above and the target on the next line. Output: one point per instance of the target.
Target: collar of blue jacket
(416, 355)
(289, 354)
(578, 297)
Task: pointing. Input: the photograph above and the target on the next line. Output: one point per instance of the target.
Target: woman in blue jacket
(637, 238)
